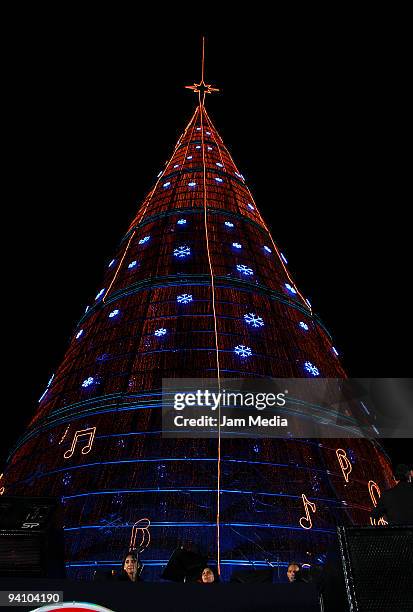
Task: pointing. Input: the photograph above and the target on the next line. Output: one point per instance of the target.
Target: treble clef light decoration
(374, 491)
(143, 526)
(305, 521)
(344, 462)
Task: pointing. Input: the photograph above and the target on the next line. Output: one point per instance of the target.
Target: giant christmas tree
(197, 288)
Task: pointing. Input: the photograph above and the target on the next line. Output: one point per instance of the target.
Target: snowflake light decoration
(79, 333)
(176, 166)
(244, 270)
(219, 164)
(253, 320)
(88, 381)
(304, 325)
(283, 257)
(311, 369)
(237, 245)
(251, 207)
(181, 222)
(229, 224)
(182, 251)
(132, 264)
(192, 184)
(219, 180)
(184, 298)
(160, 332)
(111, 263)
(99, 295)
(290, 288)
(143, 240)
(166, 185)
(267, 249)
(335, 351)
(242, 350)
(114, 313)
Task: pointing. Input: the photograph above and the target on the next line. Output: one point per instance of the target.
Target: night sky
(316, 125)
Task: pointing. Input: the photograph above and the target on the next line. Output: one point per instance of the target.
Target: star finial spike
(202, 88)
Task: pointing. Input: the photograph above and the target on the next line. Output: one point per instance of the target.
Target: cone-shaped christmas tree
(197, 288)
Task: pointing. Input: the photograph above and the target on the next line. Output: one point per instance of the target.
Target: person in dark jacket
(131, 567)
(396, 504)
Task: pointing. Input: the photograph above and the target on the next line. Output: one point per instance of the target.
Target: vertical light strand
(216, 345)
(268, 232)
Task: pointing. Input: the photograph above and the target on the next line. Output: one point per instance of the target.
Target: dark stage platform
(145, 597)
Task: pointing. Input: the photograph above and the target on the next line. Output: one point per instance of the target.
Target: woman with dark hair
(131, 568)
(207, 576)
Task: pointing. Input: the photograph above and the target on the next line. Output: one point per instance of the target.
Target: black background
(315, 118)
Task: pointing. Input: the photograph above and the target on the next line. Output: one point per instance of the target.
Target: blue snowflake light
(308, 303)
(198, 129)
(192, 184)
(79, 333)
(237, 245)
(99, 295)
(88, 381)
(144, 240)
(167, 184)
(114, 313)
(184, 298)
(160, 332)
(251, 207)
(335, 351)
(208, 133)
(209, 148)
(111, 263)
(182, 251)
(311, 369)
(304, 325)
(283, 257)
(176, 166)
(267, 249)
(159, 174)
(244, 270)
(181, 221)
(229, 224)
(189, 157)
(198, 147)
(253, 320)
(238, 174)
(132, 264)
(290, 288)
(242, 350)
(219, 164)
(218, 179)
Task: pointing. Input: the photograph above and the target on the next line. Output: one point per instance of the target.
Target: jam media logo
(75, 606)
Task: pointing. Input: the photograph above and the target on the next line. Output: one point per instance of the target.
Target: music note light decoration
(305, 521)
(374, 487)
(81, 433)
(199, 497)
(344, 462)
(143, 526)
